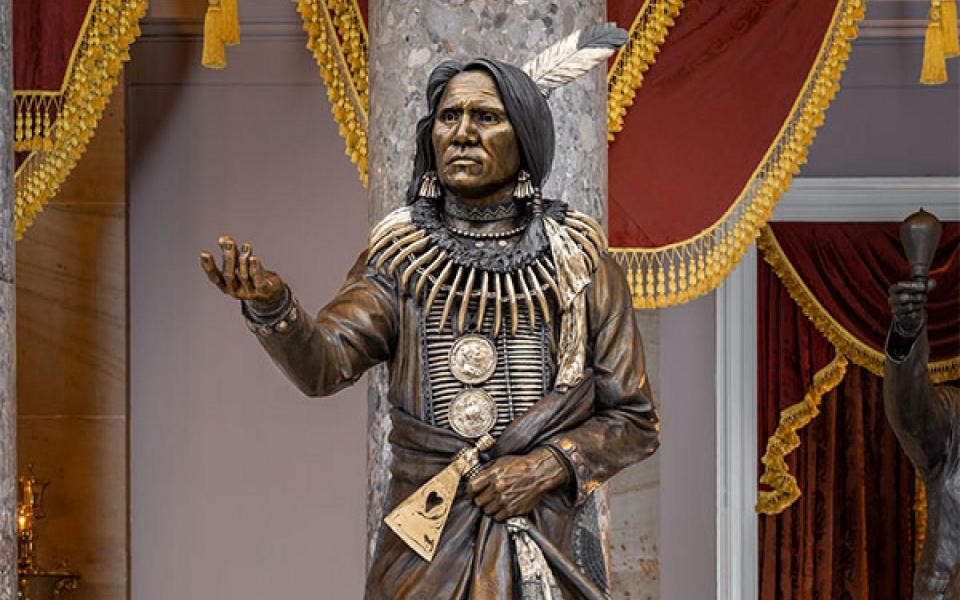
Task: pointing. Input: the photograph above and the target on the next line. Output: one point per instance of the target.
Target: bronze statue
(509, 332)
(925, 418)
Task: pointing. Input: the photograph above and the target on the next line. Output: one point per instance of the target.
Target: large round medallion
(473, 413)
(473, 359)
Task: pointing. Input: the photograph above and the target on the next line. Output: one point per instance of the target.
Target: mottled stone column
(407, 39)
(8, 401)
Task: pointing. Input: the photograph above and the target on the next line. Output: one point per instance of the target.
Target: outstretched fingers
(261, 283)
(209, 266)
(229, 249)
(244, 268)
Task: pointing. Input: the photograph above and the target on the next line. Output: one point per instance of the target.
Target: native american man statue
(926, 418)
(514, 356)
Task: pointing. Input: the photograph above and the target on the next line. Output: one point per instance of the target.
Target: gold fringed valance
(55, 127)
(647, 33)
(34, 113)
(674, 274)
(845, 342)
(848, 347)
(338, 38)
(785, 440)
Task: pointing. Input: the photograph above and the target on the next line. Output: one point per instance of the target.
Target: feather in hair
(574, 55)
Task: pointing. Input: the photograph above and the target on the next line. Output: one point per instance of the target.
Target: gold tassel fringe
(337, 36)
(919, 516)
(35, 114)
(785, 440)
(951, 35)
(102, 47)
(934, 69)
(680, 272)
(230, 30)
(647, 34)
(852, 347)
(214, 50)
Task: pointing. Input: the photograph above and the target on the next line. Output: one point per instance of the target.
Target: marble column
(8, 401)
(407, 39)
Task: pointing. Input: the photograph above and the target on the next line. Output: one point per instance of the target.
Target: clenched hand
(242, 274)
(907, 299)
(512, 486)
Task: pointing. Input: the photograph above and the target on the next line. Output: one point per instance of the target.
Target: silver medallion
(473, 413)
(473, 359)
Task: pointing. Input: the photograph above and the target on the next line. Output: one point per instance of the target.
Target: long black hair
(526, 108)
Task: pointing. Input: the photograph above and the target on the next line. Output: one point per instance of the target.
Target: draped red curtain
(822, 301)
(850, 535)
(45, 35)
(67, 58)
(849, 266)
(709, 109)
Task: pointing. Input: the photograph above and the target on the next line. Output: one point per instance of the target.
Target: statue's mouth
(463, 161)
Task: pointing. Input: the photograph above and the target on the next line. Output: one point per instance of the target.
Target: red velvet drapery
(822, 303)
(850, 535)
(848, 267)
(722, 87)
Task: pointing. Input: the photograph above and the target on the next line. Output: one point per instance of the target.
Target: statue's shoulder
(587, 232)
(396, 223)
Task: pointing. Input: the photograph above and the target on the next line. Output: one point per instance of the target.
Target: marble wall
(8, 408)
(72, 365)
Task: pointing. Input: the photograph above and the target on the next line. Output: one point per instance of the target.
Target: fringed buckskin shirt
(600, 421)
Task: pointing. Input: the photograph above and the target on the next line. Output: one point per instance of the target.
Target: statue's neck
(500, 196)
(494, 212)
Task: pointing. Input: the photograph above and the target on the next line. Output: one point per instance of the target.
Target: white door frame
(809, 199)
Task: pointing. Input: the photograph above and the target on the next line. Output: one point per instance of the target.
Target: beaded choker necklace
(497, 212)
(486, 235)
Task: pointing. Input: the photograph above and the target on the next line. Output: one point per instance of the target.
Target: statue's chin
(473, 188)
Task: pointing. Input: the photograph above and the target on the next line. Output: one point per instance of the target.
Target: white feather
(552, 57)
(569, 58)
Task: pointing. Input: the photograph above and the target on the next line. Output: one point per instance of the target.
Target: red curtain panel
(849, 266)
(724, 84)
(822, 300)
(850, 534)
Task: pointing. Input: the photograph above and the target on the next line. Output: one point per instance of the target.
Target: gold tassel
(231, 23)
(214, 52)
(951, 36)
(934, 70)
(919, 516)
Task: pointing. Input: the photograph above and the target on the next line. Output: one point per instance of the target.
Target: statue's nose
(466, 132)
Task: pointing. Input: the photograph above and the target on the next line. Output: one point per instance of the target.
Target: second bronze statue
(509, 334)
(925, 418)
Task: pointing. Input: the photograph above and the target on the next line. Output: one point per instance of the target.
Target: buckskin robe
(600, 425)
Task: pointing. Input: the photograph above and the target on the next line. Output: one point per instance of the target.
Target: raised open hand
(242, 274)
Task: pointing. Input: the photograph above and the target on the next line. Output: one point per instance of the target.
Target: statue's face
(473, 141)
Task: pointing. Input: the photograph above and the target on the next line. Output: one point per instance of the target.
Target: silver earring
(524, 188)
(429, 186)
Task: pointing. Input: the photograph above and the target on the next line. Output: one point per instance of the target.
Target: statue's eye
(449, 116)
(489, 118)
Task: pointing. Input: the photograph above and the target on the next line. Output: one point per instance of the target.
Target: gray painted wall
(240, 486)
(687, 455)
